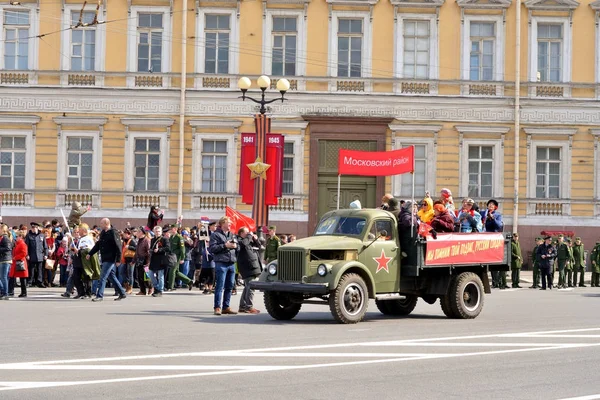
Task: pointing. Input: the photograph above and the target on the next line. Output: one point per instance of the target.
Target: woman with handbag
(5, 260)
(19, 262)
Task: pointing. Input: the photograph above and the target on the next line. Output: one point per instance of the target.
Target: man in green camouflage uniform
(271, 245)
(563, 256)
(536, 266)
(569, 265)
(578, 262)
(516, 260)
(596, 265)
(177, 245)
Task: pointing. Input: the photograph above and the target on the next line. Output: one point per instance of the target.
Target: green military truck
(355, 255)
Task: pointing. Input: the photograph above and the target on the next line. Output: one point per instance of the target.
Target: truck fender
(340, 269)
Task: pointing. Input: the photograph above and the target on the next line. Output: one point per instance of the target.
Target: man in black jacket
(37, 253)
(109, 246)
(546, 253)
(223, 247)
(249, 267)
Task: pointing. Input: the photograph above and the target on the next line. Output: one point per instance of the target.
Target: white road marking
(280, 352)
(590, 397)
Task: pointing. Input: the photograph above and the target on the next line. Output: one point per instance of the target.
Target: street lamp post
(262, 123)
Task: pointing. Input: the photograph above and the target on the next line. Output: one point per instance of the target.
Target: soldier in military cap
(569, 265)
(563, 256)
(578, 262)
(271, 245)
(595, 266)
(536, 265)
(516, 260)
(546, 253)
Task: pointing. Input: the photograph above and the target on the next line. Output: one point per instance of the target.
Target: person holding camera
(249, 267)
(223, 246)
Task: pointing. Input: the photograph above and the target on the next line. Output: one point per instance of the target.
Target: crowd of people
(549, 255)
(154, 258)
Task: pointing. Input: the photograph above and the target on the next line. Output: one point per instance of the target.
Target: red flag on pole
(424, 229)
(238, 220)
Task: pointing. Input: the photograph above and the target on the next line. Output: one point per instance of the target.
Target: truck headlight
(272, 268)
(322, 270)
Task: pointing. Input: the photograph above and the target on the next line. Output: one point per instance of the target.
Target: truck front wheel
(349, 301)
(280, 307)
(466, 296)
(397, 306)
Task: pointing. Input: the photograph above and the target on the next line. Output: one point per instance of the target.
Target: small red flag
(239, 220)
(424, 229)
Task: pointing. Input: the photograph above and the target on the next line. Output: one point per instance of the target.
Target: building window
(147, 164)
(83, 42)
(12, 162)
(547, 173)
(350, 37)
(217, 32)
(420, 173)
(149, 46)
(80, 159)
(416, 49)
(16, 39)
(285, 33)
(214, 166)
(481, 160)
(288, 168)
(549, 44)
(483, 38)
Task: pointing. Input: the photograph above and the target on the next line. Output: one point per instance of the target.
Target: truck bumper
(308, 288)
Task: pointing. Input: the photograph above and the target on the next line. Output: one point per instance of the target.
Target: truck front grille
(290, 265)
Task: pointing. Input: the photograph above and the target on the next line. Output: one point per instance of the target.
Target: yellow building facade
(91, 105)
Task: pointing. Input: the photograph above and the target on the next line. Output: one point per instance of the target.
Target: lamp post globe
(283, 85)
(264, 82)
(244, 83)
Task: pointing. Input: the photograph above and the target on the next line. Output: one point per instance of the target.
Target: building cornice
(478, 4)
(80, 121)
(552, 5)
(414, 128)
(7, 119)
(595, 132)
(545, 131)
(417, 3)
(147, 122)
(215, 123)
(294, 125)
(494, 130)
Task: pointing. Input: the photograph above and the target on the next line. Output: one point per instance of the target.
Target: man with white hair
(109, 246)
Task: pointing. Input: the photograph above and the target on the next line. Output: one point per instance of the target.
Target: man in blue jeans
(109, 246)
(223, 247)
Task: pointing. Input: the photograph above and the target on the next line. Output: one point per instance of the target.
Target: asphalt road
(526, 344)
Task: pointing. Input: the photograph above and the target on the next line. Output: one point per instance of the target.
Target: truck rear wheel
(349, 301)
(466, 296)
(280, 307)
(397, 306)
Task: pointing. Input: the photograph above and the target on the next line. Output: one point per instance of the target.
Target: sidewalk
(527, 276)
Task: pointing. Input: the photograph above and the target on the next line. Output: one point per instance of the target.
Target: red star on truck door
(382, 262)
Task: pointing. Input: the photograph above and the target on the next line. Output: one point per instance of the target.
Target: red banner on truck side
(465, 248)
(376, 163)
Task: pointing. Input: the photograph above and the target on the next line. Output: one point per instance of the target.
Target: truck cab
(355, 255)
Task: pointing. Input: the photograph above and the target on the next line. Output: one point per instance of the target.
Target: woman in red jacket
(19, 268)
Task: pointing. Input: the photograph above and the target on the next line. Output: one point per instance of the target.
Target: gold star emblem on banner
(258, 169)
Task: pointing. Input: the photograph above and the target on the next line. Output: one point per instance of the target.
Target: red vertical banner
(274, 183)
(274, 157)
(247, 156)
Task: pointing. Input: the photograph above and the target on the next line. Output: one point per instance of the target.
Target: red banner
(376, 163)
(238, 220)
(274, 182)
(465, 248)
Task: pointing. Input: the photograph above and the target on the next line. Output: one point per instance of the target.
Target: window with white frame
(420, 173)
(483, 37)
(216, 35)
(147, 164)
(214, 166)
(549, 46)
(83, 41)
(284, 45)
(12, 162)
(416, 49)
(288, 168)
(547, 172)
(80, 160)
(481, 171)
(350, 42)
(16, 39)
(150, 41)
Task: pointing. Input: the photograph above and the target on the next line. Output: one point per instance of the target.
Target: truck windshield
(337, 225)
